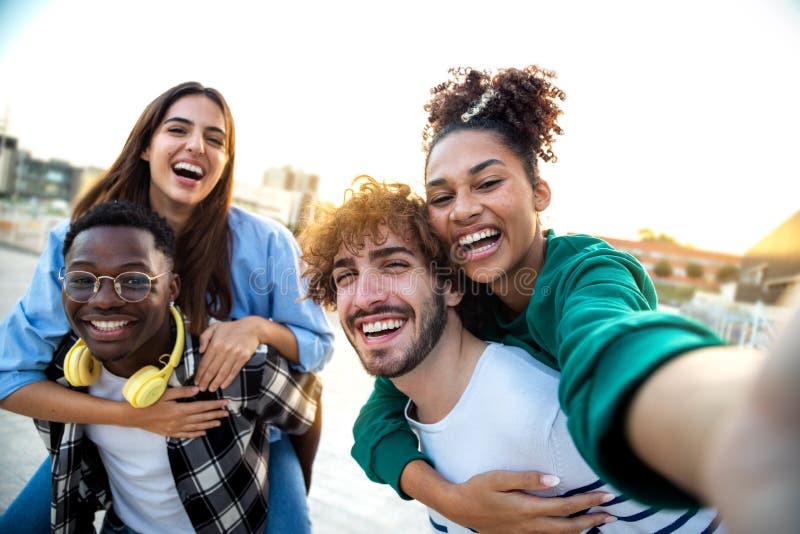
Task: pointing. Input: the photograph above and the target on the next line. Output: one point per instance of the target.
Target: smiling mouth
(377, 329)
(479, 241)
(108, 326)
(187, 170)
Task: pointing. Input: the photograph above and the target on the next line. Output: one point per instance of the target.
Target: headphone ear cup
(144, 387)
(81, 368)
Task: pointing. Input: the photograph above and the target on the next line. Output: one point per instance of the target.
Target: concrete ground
(342, 500)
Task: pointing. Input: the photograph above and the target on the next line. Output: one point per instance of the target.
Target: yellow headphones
(145, 386)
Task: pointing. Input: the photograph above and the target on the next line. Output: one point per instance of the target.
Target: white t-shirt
(508, 417)
(143, 490)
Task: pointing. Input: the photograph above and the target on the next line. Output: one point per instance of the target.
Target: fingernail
(608, 497)
(610, 519)
(548, 481)
(195, 389)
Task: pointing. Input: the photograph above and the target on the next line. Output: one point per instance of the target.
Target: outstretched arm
(676, 414)
(734, 435)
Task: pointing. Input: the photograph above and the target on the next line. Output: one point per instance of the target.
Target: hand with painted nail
(497, 502)
(174, 419)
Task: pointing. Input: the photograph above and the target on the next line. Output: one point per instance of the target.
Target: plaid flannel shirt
(221, 477)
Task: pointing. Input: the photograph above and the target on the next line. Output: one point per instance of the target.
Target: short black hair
(125, 213)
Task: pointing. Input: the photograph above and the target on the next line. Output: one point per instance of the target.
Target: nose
(464, 208)
(196, 143)
(106, 296)
(369, 290)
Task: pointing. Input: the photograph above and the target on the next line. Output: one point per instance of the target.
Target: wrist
(262, 328)
(126, 415)
(420, 481)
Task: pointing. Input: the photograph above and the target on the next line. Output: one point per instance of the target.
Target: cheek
(439, 224)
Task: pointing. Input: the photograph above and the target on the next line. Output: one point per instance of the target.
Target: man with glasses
(118, 290)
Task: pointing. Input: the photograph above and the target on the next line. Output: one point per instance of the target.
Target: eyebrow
(348, 261)
(388, 251)
(87, 263)
(190, 123)
(475, 169)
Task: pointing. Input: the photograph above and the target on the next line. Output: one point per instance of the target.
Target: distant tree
(694, 270)
(647, 234)
(727, 273)
(662, 269)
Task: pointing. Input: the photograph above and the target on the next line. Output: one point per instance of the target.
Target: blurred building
(284, 194)
(707, 263)
(8, 150)
(44, 179)
(24, 177)
(772, 266)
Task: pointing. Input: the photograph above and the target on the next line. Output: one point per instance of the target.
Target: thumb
(205, 339)
(523, 480)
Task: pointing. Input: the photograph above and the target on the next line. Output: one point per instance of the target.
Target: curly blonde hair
(369, 208)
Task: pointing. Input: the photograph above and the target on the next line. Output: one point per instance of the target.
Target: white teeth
(194, 169)
(380, 326)
(108, 325)
(481, 249)
(477, 236)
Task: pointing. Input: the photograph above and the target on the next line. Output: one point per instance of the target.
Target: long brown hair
(204, 249)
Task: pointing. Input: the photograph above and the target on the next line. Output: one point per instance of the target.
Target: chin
(486, 275)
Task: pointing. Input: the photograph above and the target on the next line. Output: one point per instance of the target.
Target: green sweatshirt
(591, 317)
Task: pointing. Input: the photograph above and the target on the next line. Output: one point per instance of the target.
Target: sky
(681, 116)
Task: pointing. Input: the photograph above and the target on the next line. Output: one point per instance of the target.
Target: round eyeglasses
(81, 286)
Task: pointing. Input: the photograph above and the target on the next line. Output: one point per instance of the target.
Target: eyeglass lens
(131, 287)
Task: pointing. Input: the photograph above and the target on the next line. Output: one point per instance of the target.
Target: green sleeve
(384, 443)
(606, 352)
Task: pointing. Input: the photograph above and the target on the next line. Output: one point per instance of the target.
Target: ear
(145, 154)
(541, 195)
(452, 296)
(174, 288)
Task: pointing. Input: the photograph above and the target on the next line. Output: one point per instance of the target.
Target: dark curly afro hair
(519, 105)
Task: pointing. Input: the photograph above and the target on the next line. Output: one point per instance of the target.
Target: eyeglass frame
(62, 276)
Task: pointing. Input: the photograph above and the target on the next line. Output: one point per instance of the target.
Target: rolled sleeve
(33, 328)
(267, 282)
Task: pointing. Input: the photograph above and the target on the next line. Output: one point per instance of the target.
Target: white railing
(746, 325)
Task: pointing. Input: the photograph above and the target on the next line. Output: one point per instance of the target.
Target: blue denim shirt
(265, 281)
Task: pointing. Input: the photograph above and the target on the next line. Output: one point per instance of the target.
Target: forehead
(115, 245)
(463, 149)
(393, 242)
(197, 108)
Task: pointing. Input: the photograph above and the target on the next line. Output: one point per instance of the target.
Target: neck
(176, 214)
(149, 353)
(436, 384)
(177, 218)
(515, 289)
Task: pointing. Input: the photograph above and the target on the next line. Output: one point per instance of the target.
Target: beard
(432, 321)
